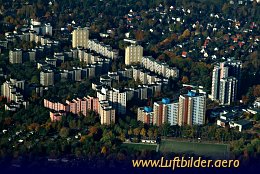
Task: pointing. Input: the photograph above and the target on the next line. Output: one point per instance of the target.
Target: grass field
(140, 146)
(203, 149)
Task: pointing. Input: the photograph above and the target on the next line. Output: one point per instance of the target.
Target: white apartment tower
(117, 98)
(133, 54)
(80, 37)
(228, 90)
(16, 56)
(230, 71)
(106, 112)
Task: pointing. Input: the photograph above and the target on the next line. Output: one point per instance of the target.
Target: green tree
(35, 79)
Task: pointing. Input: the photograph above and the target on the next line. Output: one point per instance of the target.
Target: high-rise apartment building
(235, 71)
(165, 111)
(47, 78)
(172, 113)
(227, 90)
(106, 112)
(215, 83)
(92, 103)
(118, 98)
(80, 37)
(47, 29)
(192, 109)
(145, 115)
(133, 54)
(231, 68)
(160, 113)
(11, 89)
(16, 56)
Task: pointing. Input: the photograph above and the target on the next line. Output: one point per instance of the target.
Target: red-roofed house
(235, 39)
(240, 44)
(184, 54)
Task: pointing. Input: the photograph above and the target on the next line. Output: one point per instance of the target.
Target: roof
(242, 122)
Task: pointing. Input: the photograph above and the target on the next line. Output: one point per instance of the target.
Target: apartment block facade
(118, 98)
(220, 90)
(228, 90)
(75, 106)
(16, 56)
(47, 77)
(80, 37)
(145, 115)
(192, 109)
(160, 68)
(133, 54)
(106, 113)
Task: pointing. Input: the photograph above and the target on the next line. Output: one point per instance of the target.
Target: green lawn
(203, 149)
(140, 146)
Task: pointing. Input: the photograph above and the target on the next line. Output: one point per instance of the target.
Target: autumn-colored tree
(155, 133)
(8, 121)
(245, 99)
(139, 35)
(33, 126)
(122, 137)
(136, 131)
(130, 132)
(64, 132)
(70, 29)
(186, 33)
(104, 150)
(150, 133)
(256, 91)
(185, 79)
(83, 138)
(161, 57)
(92, 130)
(143, 132)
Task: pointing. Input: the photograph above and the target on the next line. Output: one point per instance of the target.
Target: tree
(257, 117)
(122, 137)
(136, 131)
(185, 79)
(186, 33)
(64, 132)
(93, 130)
(225, 8)
(73, 124)
(143, 132)
(104, 150)
(245, 99)
(164, 129)
(139, 35)
(34, 79)
(150, 133)
(256, 91)
(130, 132)
(155, 133)
(133, 123)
